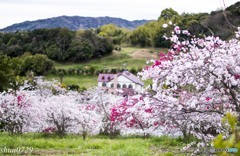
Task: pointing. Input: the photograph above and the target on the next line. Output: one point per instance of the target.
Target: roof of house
(127, 74)
(132, 77)
(105, 77)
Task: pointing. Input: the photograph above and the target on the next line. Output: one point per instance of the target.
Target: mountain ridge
(73, 23)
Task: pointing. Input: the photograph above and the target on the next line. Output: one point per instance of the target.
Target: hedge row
(90, 71)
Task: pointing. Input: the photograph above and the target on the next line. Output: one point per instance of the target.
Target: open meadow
(40, 144)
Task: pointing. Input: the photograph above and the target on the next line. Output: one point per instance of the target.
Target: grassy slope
(98, 145)
(116, 60)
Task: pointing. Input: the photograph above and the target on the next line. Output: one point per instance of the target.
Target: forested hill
(73, 23)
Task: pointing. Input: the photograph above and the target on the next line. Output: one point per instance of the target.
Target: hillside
(73, 23)
(224, 24)
(132, 57)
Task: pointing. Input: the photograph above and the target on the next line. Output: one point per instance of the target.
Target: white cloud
(15, 11)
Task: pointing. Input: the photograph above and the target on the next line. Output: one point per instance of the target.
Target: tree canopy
(58, 44)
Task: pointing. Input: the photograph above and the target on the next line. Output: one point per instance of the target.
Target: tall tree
(6, 72)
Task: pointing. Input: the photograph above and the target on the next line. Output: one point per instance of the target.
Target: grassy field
(132, 57)
(82, 81)
(97, 145)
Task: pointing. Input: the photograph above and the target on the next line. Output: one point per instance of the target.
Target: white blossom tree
(103, 102)
(46, 107)
(195, 83)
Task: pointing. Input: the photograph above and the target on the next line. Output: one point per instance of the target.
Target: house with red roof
(125, 83)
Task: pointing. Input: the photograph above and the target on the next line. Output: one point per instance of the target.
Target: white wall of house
(108, 84)
(138, 88)
(99, 84)
(121, 80)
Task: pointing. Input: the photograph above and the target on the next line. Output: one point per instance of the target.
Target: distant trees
(151, 34)
(169, 14)
(22, 53)
(11, 68)
(91, 45)
(114, 32)
(58, 44)
(222, 24)
(195, 23)
(64, 45)
(81, 48)
(199, 24)
(6, 72)
(140, 36)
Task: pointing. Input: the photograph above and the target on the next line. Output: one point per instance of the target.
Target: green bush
(114, 71)
(82, 89)
(133, 71)
(63, 71)
(71, 71)
(73, 87)
(91, 70)
(53, 71)
(79, 71)
(39, 64)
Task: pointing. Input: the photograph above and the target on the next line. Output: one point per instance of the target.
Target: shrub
(73, 87)
(114, 71)
(79, 71)
(91, 70)
(133, 71)
(71, 71)
(39, 64)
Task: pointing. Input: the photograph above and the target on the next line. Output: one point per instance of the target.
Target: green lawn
(97, 145)
(82, 81)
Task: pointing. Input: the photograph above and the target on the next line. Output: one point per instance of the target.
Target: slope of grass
(95, 145)
(115, 60)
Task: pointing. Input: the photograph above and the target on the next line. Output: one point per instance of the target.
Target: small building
(124, 82)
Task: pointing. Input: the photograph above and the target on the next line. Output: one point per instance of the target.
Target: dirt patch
(144, 53)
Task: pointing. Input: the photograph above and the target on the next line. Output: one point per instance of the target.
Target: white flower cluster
(48, 106)
(195, 83)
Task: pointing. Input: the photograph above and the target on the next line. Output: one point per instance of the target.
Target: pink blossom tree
(195, 83)
(135, 113)
(103, 102)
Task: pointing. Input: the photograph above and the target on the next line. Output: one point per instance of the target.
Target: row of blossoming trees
(46, 107)
(194, 84)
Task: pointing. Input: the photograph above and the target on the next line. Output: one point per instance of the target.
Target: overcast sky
(16, 11)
